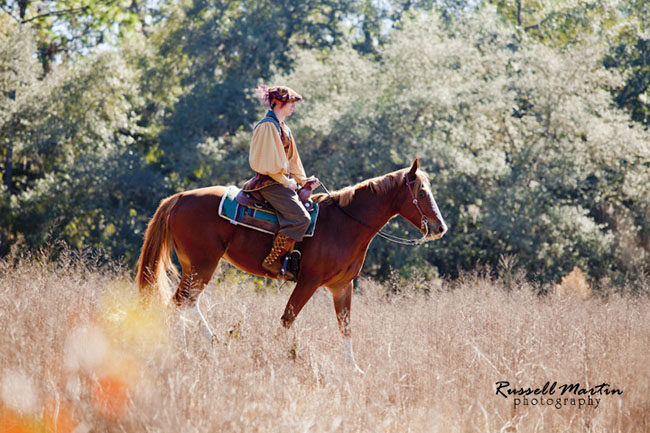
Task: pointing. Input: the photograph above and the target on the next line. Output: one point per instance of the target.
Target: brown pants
(293, 217)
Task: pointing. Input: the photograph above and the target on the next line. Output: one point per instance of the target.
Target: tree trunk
(6, 178)
(22, 8)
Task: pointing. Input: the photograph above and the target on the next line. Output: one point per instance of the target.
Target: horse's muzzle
(436, 230)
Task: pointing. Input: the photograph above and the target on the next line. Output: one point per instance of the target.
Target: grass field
(79, 353)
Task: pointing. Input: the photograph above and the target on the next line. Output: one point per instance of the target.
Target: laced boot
(282, 244)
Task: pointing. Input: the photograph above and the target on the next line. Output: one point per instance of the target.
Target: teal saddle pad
(254, 218)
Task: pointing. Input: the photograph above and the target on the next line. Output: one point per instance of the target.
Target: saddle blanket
(251, 217)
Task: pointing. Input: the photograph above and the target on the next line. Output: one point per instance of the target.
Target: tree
(622, 25)
(630, 53)
(227, 48)
(524, 148)
(64, 28)
(18, 71)
(512, 117)
(79, 176)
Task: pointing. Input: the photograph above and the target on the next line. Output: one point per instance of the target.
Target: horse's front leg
(303, 291)
(342, 296)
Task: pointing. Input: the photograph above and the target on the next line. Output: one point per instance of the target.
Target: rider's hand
(293, 185)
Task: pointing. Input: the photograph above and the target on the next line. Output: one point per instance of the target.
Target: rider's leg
(293, 220)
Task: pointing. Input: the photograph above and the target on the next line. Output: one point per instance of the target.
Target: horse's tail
(155, 258)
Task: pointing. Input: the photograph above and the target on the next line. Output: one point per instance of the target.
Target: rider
(278, 172)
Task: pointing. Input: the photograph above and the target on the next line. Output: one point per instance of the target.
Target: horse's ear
(414, 168)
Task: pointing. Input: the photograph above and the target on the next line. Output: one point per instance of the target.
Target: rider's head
(276, 96)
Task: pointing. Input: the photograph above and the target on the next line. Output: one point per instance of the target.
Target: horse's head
(418, 205)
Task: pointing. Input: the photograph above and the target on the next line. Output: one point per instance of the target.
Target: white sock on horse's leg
(348, 354)
(203, 324)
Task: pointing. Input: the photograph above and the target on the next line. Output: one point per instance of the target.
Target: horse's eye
(422, 194)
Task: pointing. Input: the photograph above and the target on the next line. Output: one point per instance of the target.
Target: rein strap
(389, 237)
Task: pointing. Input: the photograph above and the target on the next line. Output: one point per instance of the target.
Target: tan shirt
(267, 155)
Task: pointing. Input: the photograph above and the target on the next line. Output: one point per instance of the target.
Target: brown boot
(282, 244)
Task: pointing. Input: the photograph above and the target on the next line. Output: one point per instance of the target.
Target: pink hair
(263, 95)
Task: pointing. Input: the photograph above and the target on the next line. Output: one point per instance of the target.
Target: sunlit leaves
(64, 28)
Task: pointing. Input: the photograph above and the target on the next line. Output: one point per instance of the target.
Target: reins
(392, 238)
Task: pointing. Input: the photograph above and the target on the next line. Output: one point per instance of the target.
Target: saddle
(249, 209)
(254, 199)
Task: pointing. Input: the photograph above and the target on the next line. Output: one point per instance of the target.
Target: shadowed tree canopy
(224, 49)
(228, 48)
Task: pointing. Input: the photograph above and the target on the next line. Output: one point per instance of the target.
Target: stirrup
(291, 265)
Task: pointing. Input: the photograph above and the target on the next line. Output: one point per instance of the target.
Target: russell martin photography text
(556, 395)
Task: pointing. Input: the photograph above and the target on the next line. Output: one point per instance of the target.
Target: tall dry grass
(79, 353)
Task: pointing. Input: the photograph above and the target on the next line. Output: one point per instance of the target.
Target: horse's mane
(379, 185)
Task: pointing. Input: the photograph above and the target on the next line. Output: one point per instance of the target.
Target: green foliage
(563, 23)
(77, 174)
(508, 105)
(18, 70)
(68, 27)
(621, 25)
(631, 54)
(526, 154)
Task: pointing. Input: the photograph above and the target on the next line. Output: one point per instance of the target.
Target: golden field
(80, 353)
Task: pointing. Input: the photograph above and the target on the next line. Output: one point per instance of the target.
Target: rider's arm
(295, 164)
(281, 179)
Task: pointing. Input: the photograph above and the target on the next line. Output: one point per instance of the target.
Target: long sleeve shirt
(273, 159)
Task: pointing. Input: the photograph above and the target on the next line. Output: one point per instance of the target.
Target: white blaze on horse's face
(439, 231)
(436, 227)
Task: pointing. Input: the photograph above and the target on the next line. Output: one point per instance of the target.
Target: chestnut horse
(348, 220)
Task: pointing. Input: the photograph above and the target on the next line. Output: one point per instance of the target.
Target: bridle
(424, 226)
(423, 218)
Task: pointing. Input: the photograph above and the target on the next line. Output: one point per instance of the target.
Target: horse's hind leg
(342, 296)
(188, 294)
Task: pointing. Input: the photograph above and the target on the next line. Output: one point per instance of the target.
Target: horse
(348, 221)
